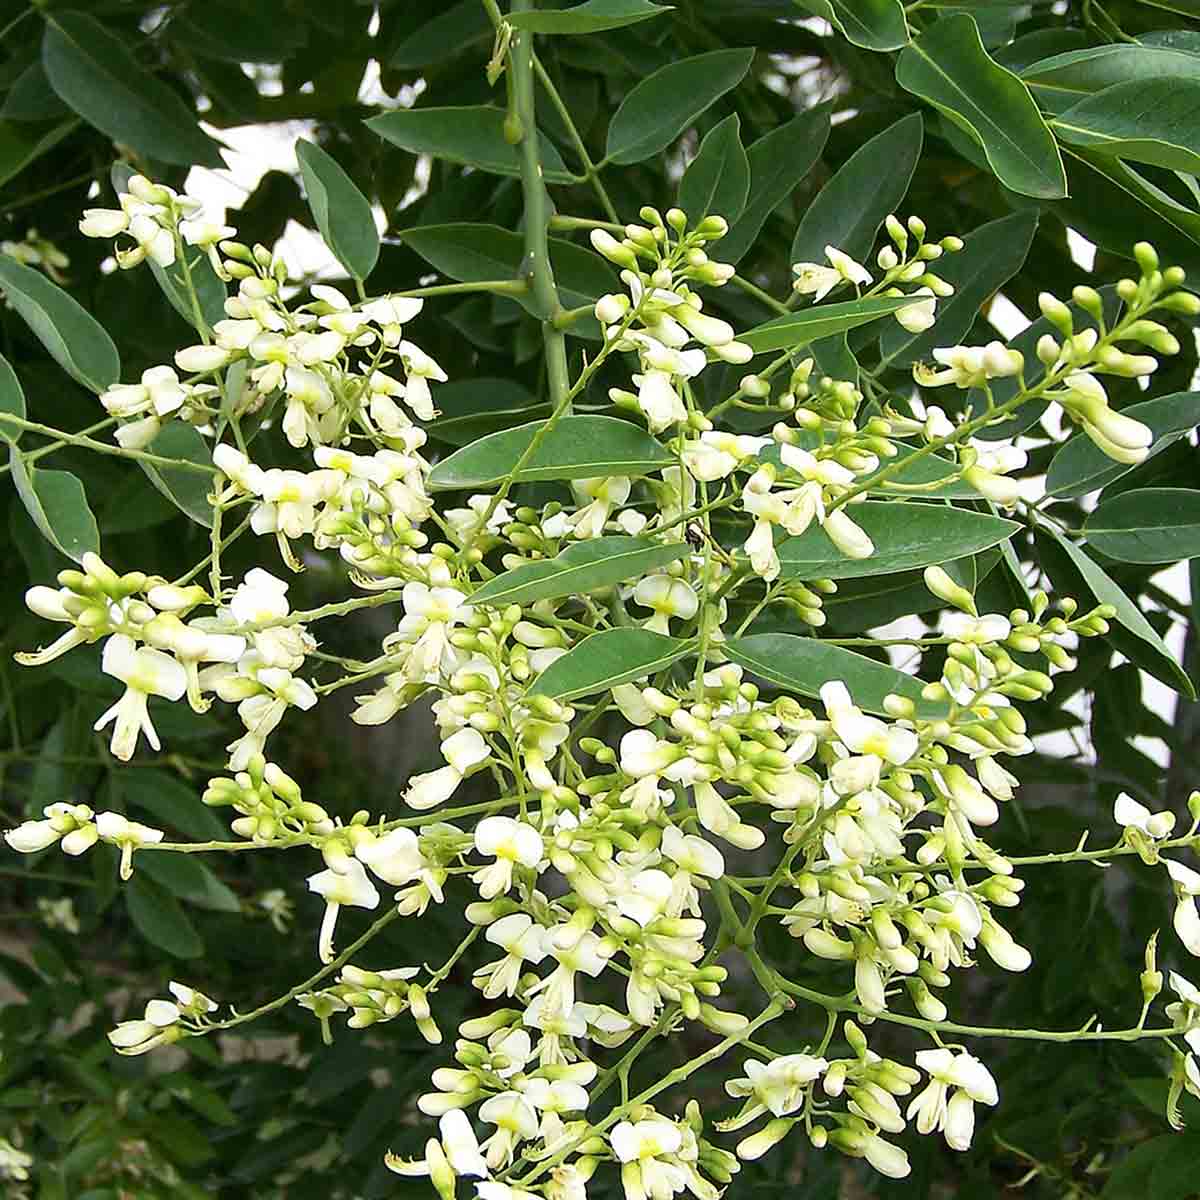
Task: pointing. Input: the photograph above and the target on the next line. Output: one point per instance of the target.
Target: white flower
(509, 841)
(636, 1140)
(920, 315)
(522, 941)
(667, 597)
(1130, 814)
(1187, 919)
(145, 673)
(463, 751)
(350, 886)
(957, 1082)
(818, 281)
(861, 734)
(780, 1085)
(847, 536)
(461, 1145)
(430, 614)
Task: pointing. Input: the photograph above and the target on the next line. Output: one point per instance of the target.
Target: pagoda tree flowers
(598, 826)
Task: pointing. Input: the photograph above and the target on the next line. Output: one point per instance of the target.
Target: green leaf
(75, 340)
(803, 664)
(20, 145)
(871, 24)
(158, 917)
(340, 210)
(12, 401)
(582, 567)
(188, 490)
(471, 135)
(906, 536)
(1064, 79)
(1154, 655)
(579, 447)
(606, 659)
(1148, 525)
(1147, 120)
(478, 253)
(58, 505)
(949, 68)
(659, 108)
(991, 255)
(871, 183)
(717, 180)
(820, 321)
(448, 34)
(1081, 466)
(235, 32)
(94, 72)
(171, 803)
(188, 879)
(592, 17)
(779, 160)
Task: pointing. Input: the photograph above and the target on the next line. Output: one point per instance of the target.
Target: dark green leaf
(578, 447)
(21, 145)
(471, 135)
(12, 400)
(991, 255)
(717, 180)
(94, 72)
(659, 108)
(592, 17)
(1081, 466)
(1064, 79)
(157, 916)
(1147, 120)
(871, 183)
(949, 68)
(188, 879)
(582, 567)
(171, 803)
(926, 469)
(906, 536)
(340, 210)
(820, 321)
(779, 160)
(237, 32)
(188, 490)
(72, 335)
(606, 659)
(1158, 657)
(1148, 525)
(871, 24)
(31, 98)
(58, 505)
(803, 664)
(449, 33)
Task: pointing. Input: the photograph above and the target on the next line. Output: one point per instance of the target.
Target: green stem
(42, 451)
(79, 439)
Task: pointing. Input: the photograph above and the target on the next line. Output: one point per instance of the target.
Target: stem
(536, 267)
(42, 451)
(79, 439)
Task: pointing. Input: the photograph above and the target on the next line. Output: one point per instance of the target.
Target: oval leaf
(606, 659)
(1081, 466)
(1149, 525)
(449, 33)
(949, 68)
(659, 108)
(592, 17)
(1064, 79)
(803, 664)
(906, 536)
(12, 400)
(820, 321)
(871, 24)
(472, 135)
(158, 917)
(991, 255)
(340, 210)
(94, 72)
(779, 160)
(583, 567)
(870, 184)
(576, 448)
(186, 487)
(75, 340)
(1148, 120)
(188, 879)
(717, 180)
(58, 505)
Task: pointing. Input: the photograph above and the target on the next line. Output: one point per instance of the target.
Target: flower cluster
(602, 824)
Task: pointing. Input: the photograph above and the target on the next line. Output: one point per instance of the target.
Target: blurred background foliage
(272, 1112)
